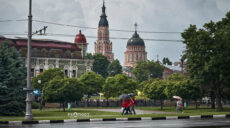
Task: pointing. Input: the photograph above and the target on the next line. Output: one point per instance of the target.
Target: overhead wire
(120, 30)
(7, 20)
(84, 27)
(94, 37)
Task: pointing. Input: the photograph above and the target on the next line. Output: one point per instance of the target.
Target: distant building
(169, 70)
(103, 44)
(46, 54)
(135, 50)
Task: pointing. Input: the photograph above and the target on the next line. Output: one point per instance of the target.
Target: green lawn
(58, 114)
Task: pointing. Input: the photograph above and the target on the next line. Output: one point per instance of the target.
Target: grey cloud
(151, 15)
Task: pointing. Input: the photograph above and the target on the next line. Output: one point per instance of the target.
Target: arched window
(66, 70)
(51, 66)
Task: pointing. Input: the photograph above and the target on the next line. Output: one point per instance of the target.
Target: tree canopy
(12, 81)
(100, 64)
(155, 90)
(147, 69)
(92, 83)
(208, 54)
(114, 68)
(63, 91)
(46, 76)
(181, 85)
(166, 61)
(119, 84)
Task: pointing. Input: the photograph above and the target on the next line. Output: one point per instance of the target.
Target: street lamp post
(29, 115)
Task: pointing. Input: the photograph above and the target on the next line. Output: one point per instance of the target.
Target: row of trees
(177, 85)
(56, 88)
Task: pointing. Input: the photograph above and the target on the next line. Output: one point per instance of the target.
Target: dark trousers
(133, 110)
(126, 110)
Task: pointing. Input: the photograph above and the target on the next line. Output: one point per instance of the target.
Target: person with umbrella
(125, 104)
(179, 105)
(132, 103)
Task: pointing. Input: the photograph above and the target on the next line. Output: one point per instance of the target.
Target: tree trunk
(87, 101)
(196, 104)
(218, 97)
(107, 102)
(63, 106)
(161, 104)
(213, 100)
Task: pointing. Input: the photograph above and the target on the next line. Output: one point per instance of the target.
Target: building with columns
(103, 44)
(135, 50)
(46, 54)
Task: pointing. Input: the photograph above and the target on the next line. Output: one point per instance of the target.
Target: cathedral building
(103, 44)
(135, 50)
(46, 54)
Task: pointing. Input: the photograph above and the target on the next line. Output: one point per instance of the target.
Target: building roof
(174, 68)
(80, 38)
(103, 20)
(135, 40)
(44, 43)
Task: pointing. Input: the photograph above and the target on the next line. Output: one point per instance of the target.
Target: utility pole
(29, 115)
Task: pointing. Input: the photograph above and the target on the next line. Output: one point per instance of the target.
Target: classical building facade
(135, 50)
(46, 54)
(103, 44)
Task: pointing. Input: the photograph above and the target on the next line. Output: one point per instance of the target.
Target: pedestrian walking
(132, 104)
(179, 106)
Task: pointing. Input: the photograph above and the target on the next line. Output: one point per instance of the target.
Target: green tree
(208, 55)
(181, 85)
(109, 88)
(114, 68)
(63, 91)
(12, 81)
(92, 83)
(155, 90)
(46, 76)
(89, 56)
(166, 61)
(119, 84)
(147, 69)
(100, 64)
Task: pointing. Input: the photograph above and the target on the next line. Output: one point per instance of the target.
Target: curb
(227, 116)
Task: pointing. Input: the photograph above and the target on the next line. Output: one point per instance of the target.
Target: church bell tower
(103, 44)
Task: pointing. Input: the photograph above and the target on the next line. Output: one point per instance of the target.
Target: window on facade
(133, 57)
(41, 70)
(32, 72)
(128, 57)
(74, 73)
(137, 56)
(141, 57)
(66, 72)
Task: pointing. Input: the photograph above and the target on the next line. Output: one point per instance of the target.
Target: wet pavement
(189, 123)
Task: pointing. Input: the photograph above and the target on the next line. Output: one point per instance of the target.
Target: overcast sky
(150, 15)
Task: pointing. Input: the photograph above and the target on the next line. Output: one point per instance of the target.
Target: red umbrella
(177, 97)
